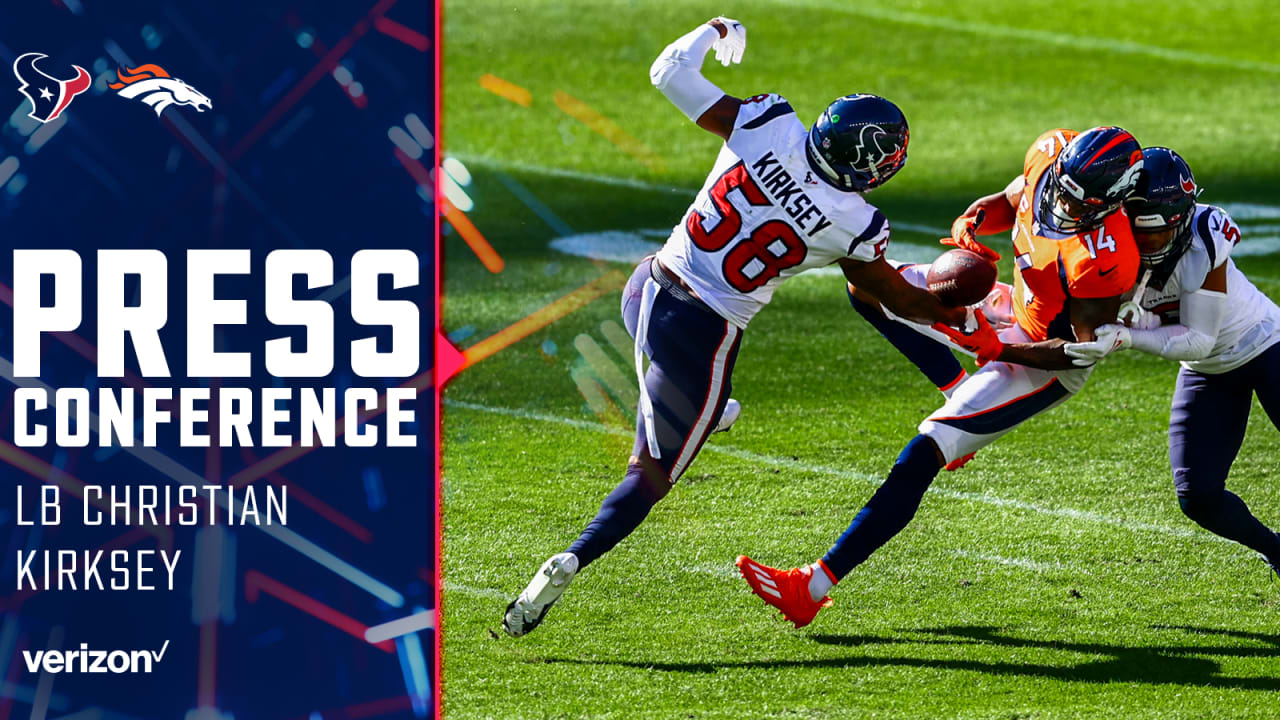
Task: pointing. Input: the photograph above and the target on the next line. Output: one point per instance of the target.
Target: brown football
(961, 277)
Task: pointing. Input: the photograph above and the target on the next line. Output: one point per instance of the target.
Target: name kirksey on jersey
(788, 195)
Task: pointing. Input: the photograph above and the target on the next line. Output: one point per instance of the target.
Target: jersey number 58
(764, 253)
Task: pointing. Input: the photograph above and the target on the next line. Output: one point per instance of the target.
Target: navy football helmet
(1090, 179)
(1162, 207)
(859, 142)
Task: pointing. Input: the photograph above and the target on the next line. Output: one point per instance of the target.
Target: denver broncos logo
(152, 85)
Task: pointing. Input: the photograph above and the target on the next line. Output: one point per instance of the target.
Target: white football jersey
(763, 216)
(1251, 322)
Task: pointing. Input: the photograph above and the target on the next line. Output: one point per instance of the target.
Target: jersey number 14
(758, 253)
(1099, 241)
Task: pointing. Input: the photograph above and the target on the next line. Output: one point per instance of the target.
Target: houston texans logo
(871, 156)
(154, 86)
(49, 96)
(1188, 186)
(869, 147)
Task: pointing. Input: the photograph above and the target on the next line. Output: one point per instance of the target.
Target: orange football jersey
(1048, 272)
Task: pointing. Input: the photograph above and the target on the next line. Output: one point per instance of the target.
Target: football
(961, 277)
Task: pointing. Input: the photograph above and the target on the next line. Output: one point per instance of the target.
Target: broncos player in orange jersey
(1074, 257)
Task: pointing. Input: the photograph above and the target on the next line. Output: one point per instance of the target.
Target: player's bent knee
(947, 443)
(922, 452)
(652, 476)
(1200, 504)
(1200, 509)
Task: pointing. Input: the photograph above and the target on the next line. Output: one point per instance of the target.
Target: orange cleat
(787, 590)
(959, 462)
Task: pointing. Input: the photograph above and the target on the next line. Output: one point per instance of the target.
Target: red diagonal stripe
(255, 582)
(406, 35)
(1114, 142)
(321, 68)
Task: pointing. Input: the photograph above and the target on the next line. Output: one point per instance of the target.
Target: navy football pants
(692, 351)
(1206, 427)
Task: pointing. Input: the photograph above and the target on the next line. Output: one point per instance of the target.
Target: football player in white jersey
(781, 199)
(1194, 305)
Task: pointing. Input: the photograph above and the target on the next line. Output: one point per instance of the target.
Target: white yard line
(1023, 563)
(847, 473)
(726, 571)
(1075, 43)
(499, 164)
(492, 593)
(620, 245)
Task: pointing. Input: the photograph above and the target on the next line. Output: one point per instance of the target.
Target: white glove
(1107, 339)
(1133, 315)
(729, 48)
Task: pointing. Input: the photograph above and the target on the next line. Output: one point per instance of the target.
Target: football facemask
(1090, 179)
(1066, 209)
(1162, 208)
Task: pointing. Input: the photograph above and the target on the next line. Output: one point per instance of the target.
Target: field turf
(1054, 577)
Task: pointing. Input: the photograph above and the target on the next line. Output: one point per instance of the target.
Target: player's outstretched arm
(988, 215)
(999, 210)
(887, 286)
(1088, 315)
(678, 74)
(1201, 312)
(879, 282)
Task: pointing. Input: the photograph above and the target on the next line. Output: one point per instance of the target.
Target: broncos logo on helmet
(1089, 179)
(155, 87)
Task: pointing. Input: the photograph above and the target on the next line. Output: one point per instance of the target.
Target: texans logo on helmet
(49, 96)
(869, 147)
(1188, 186)
(871, 155)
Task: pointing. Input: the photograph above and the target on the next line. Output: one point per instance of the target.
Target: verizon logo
(84, 660)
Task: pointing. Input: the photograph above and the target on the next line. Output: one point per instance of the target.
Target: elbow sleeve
(677, 72)
(1191, 345)
(1201, 314)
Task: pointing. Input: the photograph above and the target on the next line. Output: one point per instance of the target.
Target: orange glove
(964, 234)
(981, 341)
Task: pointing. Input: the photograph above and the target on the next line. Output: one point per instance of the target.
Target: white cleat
(526, 612)
(732, 409)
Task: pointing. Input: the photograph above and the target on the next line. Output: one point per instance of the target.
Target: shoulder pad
(872, 239)
(1217, 232)
(1046, 148)
(758, 110)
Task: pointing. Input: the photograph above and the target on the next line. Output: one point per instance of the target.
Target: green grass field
(1054, 577)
